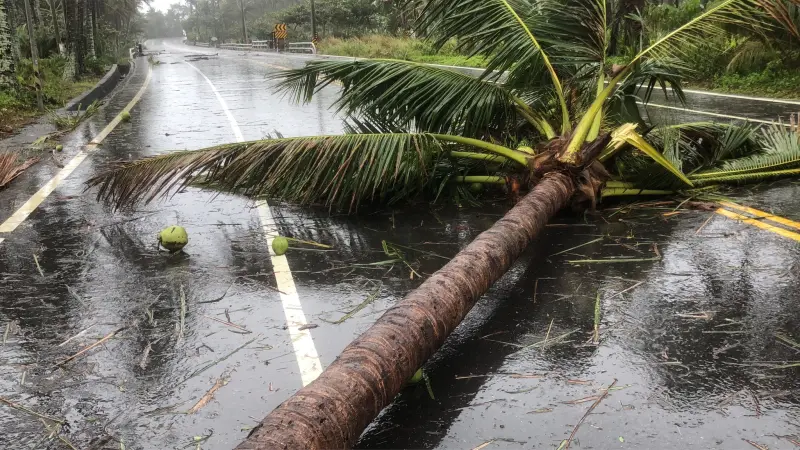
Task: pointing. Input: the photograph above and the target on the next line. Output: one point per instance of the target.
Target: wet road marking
(304, 349)
(707, 113)
(30, 206)
(759, 223)
(763, 215)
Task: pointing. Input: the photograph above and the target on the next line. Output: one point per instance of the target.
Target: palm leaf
(627, 133)
(673, 46)
(780, 150)
(337, 171)
(501, 29)
(407, 94)
(706, 26)
(748, 177)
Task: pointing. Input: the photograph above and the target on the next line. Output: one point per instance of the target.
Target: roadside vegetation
(75, 41)
(764, 63)
(18, 106)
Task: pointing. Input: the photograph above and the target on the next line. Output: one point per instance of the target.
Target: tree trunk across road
(332, 411)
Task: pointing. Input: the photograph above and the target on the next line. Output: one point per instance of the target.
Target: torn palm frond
(505, 30)
(336, 171)
(627, 134)
(11, 167)
(779, 150)
(431, 99)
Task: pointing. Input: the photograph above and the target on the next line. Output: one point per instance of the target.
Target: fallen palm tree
(557, 129)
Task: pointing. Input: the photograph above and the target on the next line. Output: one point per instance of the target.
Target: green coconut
(173, 238)
(59, 147)
(475, 188)
(125, 116)
(279, 245)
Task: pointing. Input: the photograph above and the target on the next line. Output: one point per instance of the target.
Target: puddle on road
(702, 343)
(697, 341)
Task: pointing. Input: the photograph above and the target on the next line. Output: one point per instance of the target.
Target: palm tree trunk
(94, 14)
(56, 26)
(37, 13)
(332, 411)
(11, 17)
(37, 77)
(73, 15)
(88, 30)
(8, 77)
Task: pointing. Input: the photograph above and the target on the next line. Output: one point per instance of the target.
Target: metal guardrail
(245, 47)
(292, 47)
(301, 47)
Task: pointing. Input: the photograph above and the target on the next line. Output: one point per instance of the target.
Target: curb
(100, 90)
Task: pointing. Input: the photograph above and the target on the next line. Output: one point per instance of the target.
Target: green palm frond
(407, 94)
(710, 24)
(750, 54)
(627, 134)
(748, 177)
(501, 29)
(337, 171)
(573, 31)
(779, 150)
(673, 46)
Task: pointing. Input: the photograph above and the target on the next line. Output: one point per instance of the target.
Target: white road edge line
(304, 349)
(478, 69)
(36, 199)
(686, 110)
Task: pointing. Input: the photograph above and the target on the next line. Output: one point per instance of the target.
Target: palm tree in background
(8, 78)
(548, 120)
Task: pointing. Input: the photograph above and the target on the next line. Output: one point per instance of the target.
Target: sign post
(280, 35)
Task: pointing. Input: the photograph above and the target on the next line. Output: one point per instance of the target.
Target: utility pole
(313, 22)
(244, 27)
(37, 77)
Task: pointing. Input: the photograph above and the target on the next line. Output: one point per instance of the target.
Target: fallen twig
(222, 381)
(230, 324)
(101, 341)
(217, 361)
(711, 216)
(36, 260)
(29, 411)
(577, 246)
(591, 408)
(77, 335)
(218, 298)
(371, 298)
(756, 444)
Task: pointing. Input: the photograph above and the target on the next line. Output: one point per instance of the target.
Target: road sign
(280, 31)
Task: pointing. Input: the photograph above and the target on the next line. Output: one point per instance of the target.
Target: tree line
(83, 33)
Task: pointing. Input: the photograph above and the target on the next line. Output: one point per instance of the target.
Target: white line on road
(686, 110)
(36, 199)
(304, 349)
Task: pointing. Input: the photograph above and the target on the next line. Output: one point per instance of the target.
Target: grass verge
(18, 107)
(768, 83)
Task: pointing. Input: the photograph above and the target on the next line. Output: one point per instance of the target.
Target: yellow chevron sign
(280, 31)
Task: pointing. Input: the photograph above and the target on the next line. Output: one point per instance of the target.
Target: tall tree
(8, 78)
(88, 29)
(37, 77)
(55, 20)
(74, 18)
(244, 26)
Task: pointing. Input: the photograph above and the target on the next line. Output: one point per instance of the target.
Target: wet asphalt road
(697, 333)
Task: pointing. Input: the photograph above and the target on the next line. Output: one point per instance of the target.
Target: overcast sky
(162, 5)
